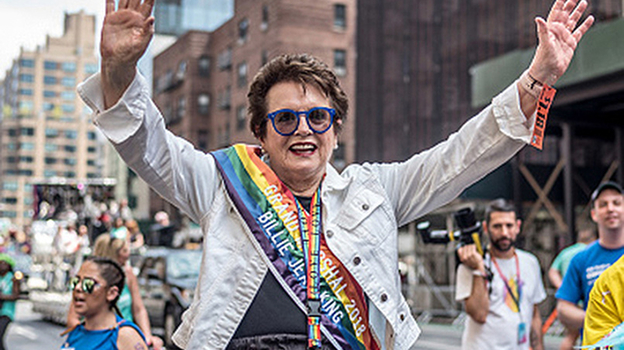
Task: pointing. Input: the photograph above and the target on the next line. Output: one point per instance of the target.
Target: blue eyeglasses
(286, 121)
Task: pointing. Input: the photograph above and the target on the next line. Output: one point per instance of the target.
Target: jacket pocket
(365, 215)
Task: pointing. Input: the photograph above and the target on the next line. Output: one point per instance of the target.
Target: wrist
(479, 273)
(530, 84)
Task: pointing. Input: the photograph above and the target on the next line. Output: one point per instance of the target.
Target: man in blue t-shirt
(608, 214)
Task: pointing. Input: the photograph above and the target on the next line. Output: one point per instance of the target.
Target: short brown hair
(298, 68)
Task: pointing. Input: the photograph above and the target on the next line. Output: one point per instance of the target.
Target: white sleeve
(436, 176)
(184, 176)
(463, 287)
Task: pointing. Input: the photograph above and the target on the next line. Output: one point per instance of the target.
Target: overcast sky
(26, 23)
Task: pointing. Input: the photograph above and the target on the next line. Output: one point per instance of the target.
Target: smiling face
(89, 304)
(608, 211)
(300, 159)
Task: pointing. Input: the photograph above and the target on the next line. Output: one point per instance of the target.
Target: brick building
(201, 81)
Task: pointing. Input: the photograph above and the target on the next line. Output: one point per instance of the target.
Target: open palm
(127, 31)
(558, 38)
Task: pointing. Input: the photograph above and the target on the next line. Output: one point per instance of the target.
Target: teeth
(303, 147)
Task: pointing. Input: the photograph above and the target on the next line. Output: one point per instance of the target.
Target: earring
(336, 146)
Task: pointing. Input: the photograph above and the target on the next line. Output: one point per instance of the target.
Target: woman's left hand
(558, 38)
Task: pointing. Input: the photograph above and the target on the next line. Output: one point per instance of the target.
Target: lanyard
(310, 227)
(513, 296)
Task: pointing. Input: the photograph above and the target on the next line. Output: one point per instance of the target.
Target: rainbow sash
(270, 211)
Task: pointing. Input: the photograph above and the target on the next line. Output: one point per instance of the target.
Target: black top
(272, 311)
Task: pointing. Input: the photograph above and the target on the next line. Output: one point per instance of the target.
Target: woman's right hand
(126, 34)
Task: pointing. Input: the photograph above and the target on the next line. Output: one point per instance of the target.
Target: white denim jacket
(362, 208)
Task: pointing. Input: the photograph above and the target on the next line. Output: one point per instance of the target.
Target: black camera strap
(518, 282)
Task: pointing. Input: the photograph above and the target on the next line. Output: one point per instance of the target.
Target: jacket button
(330, 233)
(357, 260)
(402, 317)
(365, 206)
(384, 297)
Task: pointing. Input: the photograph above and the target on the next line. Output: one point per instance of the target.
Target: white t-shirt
(501, 328)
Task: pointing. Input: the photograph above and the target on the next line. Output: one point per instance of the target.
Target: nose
(302, 127)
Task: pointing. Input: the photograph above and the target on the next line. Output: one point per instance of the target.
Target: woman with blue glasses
(297, 255)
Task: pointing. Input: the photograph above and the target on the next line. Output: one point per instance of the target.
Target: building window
(70, 161)
(71, 134)
(241, 117)
(25, 107)
(68, 66)
(27, 63)
(223, 100)
(181, 108)
(27, 131)
(10, 200)
(340, 62)
(91, 162)
(90, 68)
(10, 186)
(48, 106)
(27, 146)
(68, 108)
(69, 81)
(70, 148)
(203, 103)
(68, 95)
(49, 94)
(202, 140)
(51, 133)
(264, 25)
(25, 92)
(49, 173)
(49, 80)
(70, 174)
(203, 65)
(243, 30)
(91, 135)
(27, 78)
(264, 57)
(50, 147)
(91, 149)
(49, 65)
(242, 74)
(340, 16)
(181, 71)
(224, 60)
(49, 160)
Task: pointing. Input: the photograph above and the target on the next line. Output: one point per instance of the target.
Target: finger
(576, 15)
(542, 29)
(134, 4)
(583, 28)
(555, 10)
(110, 6)
(146, 8)
(569, 6)
(122, 4)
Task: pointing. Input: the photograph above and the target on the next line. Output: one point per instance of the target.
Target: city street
(31, 332)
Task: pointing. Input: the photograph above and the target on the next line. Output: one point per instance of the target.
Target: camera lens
(465, 218)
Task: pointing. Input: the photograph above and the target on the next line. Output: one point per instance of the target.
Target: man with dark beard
(501, 290)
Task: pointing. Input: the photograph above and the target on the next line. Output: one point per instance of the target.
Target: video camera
(469, 232)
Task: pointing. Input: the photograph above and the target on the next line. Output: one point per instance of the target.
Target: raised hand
(126, 33)
(558, 38)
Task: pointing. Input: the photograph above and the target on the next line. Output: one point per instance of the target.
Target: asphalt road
(30, 332)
